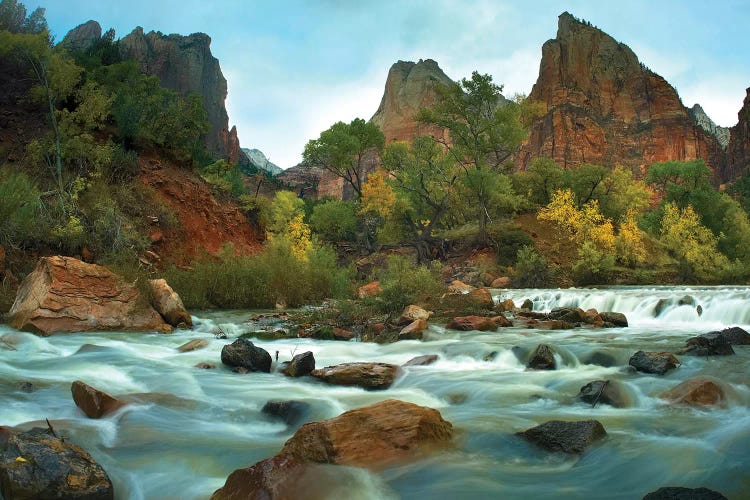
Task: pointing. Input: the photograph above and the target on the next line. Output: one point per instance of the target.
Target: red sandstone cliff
(738, 150)
(605, 107)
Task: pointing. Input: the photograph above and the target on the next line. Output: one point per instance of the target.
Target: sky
(295, 67)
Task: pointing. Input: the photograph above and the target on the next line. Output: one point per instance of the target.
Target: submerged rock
(566, 437)
(366, 375)
(735, 335)
(604, 392)
(424, 360)
(64, 294)
(480, 323)
(543, 358)
(244, 354)
(167, 303)
(300, 365)
(654, 362)
(699, 391)
(601, 358)
(38, 465)
(93, 402)
(193, 345)
(680, 493)
(291, 412)
(708, 344)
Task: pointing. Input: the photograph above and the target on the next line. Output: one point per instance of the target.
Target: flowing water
(195, 426)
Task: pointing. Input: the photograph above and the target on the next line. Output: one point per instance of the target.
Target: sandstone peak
(409, 87)
(604, 106)
(82, 36)
(701, 118)
(186, 65)
(738, 149)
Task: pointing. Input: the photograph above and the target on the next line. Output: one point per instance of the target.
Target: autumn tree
(342, 150)
(485, 131)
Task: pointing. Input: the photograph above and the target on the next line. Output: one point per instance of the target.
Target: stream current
(193, 427)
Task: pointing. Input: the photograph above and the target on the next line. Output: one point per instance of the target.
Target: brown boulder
(482, 297)
(480, 323)
(369, 290)
(412, 313)
(457, 286)
(341, 334)
(555, 324)
(366, 375)
(424, 360)
(64, 294)
(39, 465)
(414, 330)
(279, 477)
(193, 345)
(373, 436)
(506, 305)
(543, 358)
(696, 391)
(169, 304)
(502, 282)
(93, 402)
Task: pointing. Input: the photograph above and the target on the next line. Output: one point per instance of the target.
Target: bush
(20, 206)
(593, 266)
(335, 220)
(509, 242)
(404, 283)
(532, 270)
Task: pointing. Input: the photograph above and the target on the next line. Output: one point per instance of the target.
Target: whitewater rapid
(192, 427)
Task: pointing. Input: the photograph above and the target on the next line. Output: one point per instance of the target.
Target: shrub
(20, 206)
(404, 283)
(509, 242)
(335, 220)
(593, 265)
(532, 270)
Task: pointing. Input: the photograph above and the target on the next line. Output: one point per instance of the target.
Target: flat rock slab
(565, 437)
(49, 468)
(366, 375)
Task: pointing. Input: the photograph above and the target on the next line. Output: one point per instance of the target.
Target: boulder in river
(543, 358)
(654, 362)
(167, 303)
(554, 324)
(601, 358)
(275, 478)
(506, 305)
(567, 314)
(604, 392)
(244, 354)
(482, 297)
(614, 318)
(376, 435)
(93, 402)
(366, 375)
(291, 412)
(38, 464)
(300, 365)
(64, 294)
(735, 335)
(480, 323)
(193, 345)
(424, 360)
(413, 313)
(566, 437)
(414, 330)
(699, 391)
(708, 344)
(680, 493)
(528, 305)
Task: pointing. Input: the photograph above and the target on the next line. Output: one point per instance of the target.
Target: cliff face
(82, 36)
(604, 107)
(738, 149)
(185, 64)
(409, 87)
(700, 117)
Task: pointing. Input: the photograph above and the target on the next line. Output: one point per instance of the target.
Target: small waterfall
(663, 306)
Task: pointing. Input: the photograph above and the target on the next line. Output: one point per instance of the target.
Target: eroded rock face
(64, 294)
(50, 468)
(373, 436)
(566, 437)
(658, 363)
(705, 122)
(409, 87)
(185, 64)
(93, 402)
(604, 107)
(738, 149)
(82, 36)
(366, 375)
(167, 303)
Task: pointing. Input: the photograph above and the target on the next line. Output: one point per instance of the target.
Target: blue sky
(294, 67)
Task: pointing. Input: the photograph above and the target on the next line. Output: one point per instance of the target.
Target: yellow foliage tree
(629, 243)
(300, 238)
(582, 225)
(377, 196)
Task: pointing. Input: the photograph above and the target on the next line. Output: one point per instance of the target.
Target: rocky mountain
(738, 149)
(706, 123)
(82, 36)
(604, 106)
(409, 87)
(257, 159)
(185, 64)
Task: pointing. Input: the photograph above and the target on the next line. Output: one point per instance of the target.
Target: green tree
(540, 179)
(335, 220)
(13, 18)
(485, 131)
(342, 150)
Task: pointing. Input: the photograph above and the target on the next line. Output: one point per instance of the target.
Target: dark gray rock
(291, 412)
(604, 392)
(708, 344)
(680, 493)
(566, 437)
(735, 335)
(528, 304)
(654, 362)
(601, 358)
(300, 365)
(543, 358)
(50, 469)
(427, 359)
(243, 354)
(567, 314)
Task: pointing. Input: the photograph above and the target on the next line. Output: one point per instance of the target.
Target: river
(198, 425)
